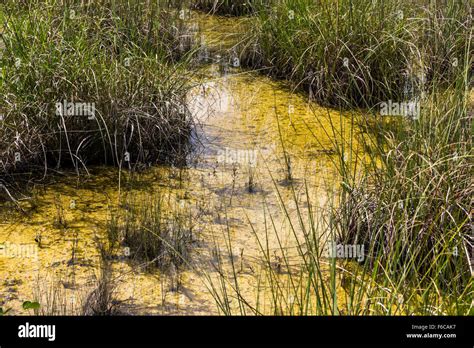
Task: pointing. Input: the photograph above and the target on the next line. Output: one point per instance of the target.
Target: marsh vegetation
(290, 157)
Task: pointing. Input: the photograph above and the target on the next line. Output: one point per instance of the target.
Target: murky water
(254, 137)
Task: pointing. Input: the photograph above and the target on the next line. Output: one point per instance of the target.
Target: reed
(355, 53)
(122, 64)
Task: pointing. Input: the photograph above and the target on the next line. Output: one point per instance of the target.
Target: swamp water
(261, 153)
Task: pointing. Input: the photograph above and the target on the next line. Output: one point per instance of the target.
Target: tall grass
(446, 30)
(127, 58)
(412, 206)
(356, 53)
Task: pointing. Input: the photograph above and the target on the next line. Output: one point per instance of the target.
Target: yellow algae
(218, 32)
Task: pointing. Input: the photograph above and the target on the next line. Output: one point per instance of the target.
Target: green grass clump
(412, 207)
(127, 59)
(445, 29)
(356, 53)
(155, 237)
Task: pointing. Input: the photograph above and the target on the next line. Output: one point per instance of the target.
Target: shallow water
(251, 134)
